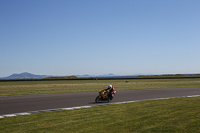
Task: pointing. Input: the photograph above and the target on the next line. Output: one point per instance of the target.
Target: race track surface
(27, 103)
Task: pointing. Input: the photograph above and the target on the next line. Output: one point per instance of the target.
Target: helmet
(110, 86)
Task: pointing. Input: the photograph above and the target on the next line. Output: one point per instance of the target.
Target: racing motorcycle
(104, 96)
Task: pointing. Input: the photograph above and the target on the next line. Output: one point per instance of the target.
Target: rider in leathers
(110, 91)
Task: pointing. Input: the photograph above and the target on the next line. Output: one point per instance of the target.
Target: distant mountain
(104, 75)
(85, 76)
(25, 75)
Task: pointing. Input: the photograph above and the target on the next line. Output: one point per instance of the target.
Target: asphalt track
(28, 103)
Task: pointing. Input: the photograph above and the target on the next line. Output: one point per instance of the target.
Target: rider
(110, 91)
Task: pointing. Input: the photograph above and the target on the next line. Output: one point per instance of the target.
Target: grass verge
(67, 86)
(169, 115)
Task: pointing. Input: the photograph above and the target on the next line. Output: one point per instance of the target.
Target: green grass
(169, 115)
(66, 86)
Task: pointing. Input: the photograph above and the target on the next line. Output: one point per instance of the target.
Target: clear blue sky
(70, 37)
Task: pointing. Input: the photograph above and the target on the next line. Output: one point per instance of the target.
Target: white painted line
(79, 107)
(26, 113)
(9, 115)
(76, 107)
(86, 106)
(194, 96)
(68, 108)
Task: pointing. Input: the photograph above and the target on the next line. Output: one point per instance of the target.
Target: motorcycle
(104, 96)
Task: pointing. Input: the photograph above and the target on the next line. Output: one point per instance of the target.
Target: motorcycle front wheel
(98, 99)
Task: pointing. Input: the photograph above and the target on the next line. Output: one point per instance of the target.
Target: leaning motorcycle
(104, 96)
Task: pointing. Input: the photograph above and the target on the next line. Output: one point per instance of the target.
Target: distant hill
(105, 75)
(89, 76)
(25, 75)
(62, 77)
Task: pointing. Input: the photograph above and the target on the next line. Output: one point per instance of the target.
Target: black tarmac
(27, 103)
